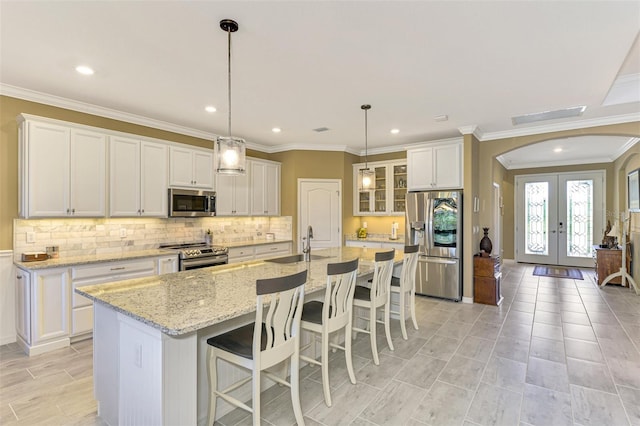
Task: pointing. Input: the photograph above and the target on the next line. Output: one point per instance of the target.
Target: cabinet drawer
(112, 268)
(235, 252)
(81, 320)
(267, 249)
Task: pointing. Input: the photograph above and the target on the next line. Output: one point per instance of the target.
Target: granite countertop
(92, 258)
(128, 255)
(376, 238)
(184, 302)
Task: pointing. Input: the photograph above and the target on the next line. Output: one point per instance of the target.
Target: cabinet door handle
(142, 210)
(68, 211)
(119, 268)
(73, 211)
(19, 277)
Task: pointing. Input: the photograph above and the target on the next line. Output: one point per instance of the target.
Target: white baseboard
(7, 298)
(467, 300)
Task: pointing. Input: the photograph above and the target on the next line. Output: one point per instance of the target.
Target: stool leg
(325, 368)
(412, 301)
(387, 321)
(255, 394)
(213, 386)
(403, 326)
(372, 335)
(347, 353)
(294, 376)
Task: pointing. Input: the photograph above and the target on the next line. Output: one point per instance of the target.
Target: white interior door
(559, 217)
(320, 205)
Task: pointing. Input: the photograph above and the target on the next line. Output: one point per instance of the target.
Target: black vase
(485, 242)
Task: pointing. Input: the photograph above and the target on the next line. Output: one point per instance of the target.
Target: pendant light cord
(366, 141)
(229, 74)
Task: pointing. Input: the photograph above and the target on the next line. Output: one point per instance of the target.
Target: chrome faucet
(307, 245)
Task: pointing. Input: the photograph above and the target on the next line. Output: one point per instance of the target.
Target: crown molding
(624, 148)
(308, 147)
(472, 130)
(519, 166)
(559, 127)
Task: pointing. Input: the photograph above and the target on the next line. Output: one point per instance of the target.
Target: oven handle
(207, 261)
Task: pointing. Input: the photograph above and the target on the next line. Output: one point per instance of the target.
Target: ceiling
(303, 65)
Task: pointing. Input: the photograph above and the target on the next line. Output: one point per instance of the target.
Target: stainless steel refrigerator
(434, 222)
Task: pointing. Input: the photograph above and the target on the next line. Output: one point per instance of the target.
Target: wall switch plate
(31, 237)
(123, 232)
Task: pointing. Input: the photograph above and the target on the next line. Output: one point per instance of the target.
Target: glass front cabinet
(388, 196)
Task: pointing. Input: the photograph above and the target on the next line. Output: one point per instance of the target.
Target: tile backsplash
(77, 237)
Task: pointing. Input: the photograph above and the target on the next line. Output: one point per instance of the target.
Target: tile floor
(556, 352)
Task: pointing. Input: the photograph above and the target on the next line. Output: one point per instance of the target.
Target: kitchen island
(150, 333)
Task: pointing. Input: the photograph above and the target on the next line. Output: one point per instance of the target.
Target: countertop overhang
(184, 302)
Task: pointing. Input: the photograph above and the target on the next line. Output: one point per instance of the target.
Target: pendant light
(366, 176)
(230, 151)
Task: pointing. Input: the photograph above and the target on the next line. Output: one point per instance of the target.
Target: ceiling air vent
(548, 115)
(321, 129)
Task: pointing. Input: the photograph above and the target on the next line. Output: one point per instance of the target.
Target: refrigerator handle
(428, 213)
(429, 259)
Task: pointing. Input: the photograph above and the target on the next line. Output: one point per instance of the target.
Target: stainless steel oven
(191, 203)
(198, 255)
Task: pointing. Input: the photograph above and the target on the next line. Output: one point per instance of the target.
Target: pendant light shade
(230, 151)
(366, 176)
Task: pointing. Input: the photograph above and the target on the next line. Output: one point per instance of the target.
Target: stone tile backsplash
(77, 237)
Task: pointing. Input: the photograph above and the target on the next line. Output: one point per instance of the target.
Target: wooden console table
(486, 280)
(607, 262)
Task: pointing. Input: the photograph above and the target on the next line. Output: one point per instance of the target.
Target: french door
(559, 217)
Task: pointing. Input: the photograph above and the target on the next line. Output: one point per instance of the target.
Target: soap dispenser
(394, 231)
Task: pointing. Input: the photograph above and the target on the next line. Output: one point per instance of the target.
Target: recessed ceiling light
(84, 70)
(395, 131)
(210, 108)
(276, 130)
(557, 150)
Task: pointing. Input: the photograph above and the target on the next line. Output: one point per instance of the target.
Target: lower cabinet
(486, 280)
(49, 314)
(259, 251)
(375, 244)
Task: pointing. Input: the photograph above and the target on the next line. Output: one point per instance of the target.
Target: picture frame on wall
(633, 190)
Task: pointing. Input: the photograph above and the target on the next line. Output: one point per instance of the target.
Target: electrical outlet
(31, 237)
(123, 232)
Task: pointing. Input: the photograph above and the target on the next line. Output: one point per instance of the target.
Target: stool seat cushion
(362, 293)
(312, 312)
(239, 341)
(395, 281)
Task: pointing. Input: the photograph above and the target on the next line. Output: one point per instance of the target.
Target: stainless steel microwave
(191, 203)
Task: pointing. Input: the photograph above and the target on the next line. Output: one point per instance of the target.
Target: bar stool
(258, 348)
(333, 314)
(405, 287)
(376, 297)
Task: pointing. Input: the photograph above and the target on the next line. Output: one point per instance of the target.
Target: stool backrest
(409, 266)
(383, 269)
(283, 298)
(341, 284)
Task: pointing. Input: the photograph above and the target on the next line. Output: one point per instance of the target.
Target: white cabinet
(49, 314)
(375, 244)
(241, 254)
(49, 305)
(23, 305)
(435, 166)
(273, 250)
(232, 195)
(191, 168)
(265, 188)
(138, 178)
(388, 196)
(62, 171)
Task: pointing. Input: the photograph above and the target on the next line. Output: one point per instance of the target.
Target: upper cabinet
(390, 188)
(138, 178)
(191, 168)
(435, 166)
(265, 188)
(232, 196)
(62, 170)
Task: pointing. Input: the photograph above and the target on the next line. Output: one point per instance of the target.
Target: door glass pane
(399, 187)
(381, 189)
(579, 217)
(536, 196)
(445, 222)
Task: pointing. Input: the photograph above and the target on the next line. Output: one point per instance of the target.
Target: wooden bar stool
(263, 344)
(377, 297)
(405, 286)
(333, 314)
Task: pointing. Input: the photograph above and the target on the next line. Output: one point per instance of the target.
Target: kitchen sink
(294, 258)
